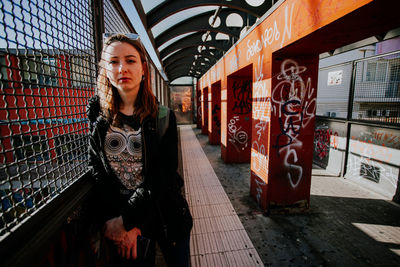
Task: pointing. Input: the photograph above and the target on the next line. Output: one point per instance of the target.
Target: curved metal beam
(178, 76)
(190, 52)
(200, 23)
(185, 70)
(169, 8)
(195, 40)
(187, 63)
(182, 74)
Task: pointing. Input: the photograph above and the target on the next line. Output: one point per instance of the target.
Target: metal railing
(363, 90)
(48, 65)
(377, 89)
(48, 71)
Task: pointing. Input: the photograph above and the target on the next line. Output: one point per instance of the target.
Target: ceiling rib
(180, 55)
(169, 8)
(191, 52)
(200, 23)
(195, 40)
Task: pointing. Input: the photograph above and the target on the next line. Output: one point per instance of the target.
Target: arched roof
(186, 34)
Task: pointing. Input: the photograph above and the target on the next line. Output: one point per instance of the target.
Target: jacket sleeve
(170, 179)
(164, 179)
(105, 194)
(100, 201)
(95, 164)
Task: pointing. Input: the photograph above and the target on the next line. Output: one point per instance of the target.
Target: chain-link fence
(48, 71)
(333, 90)
(113, 22)
(48, 68)
(377, 89)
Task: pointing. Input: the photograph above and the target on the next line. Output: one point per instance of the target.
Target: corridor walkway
(346, 225)
(218, 237)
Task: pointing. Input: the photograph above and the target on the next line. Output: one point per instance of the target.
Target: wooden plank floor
(218, 237)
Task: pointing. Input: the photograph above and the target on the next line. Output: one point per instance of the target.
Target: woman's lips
(124, 79)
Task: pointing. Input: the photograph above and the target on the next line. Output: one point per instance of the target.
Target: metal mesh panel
(377, 89)
(333, 90)
(112, 20)
(48, 71)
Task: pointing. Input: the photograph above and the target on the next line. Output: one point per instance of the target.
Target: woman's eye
(113, 62)
(131, 61)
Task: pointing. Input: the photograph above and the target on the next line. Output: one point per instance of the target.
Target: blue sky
(131, 12)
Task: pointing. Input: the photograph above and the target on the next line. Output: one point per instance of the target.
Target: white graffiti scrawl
(294, 106)
(261, 109)
(237, 136)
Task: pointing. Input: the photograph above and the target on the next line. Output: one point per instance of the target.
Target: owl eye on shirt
(118, 141)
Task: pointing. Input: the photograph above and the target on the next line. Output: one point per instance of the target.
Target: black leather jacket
(157, 204)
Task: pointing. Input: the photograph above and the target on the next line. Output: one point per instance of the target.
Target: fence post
(349, 118)
(98, 30)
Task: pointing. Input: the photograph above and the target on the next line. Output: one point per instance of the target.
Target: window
(70, 147)
(80, 70)
(3, 72)
(29, 69)
(48, 72)
(395, 70)
(376, 71)
(31, 147)
(394, 79)
(38, 70)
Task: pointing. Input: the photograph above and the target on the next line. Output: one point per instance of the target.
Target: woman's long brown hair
(145, 103)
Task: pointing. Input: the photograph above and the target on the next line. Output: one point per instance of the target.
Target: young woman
(133, 158)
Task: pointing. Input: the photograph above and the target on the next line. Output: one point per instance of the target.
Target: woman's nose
(122, 67)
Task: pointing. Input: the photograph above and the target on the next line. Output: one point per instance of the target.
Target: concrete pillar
(238, 117)
(280, 59)
(198, 107)
(204, 111)
(287, 149)
(214, 127)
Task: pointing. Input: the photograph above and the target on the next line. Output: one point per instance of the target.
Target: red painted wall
(214, 135)
(293, 101)
(198, 105)
(239, 105)
(283, 49)
(204, 113)
(50, 111)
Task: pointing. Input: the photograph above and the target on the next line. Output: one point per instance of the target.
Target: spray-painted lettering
(294, 105)
(271, 35)
(237, 136)
(242, 96)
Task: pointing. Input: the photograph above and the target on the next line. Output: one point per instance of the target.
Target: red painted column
(293, 105)
(214, 134)
(238, 117)
(204, 109)
(260, 144)
(198, 106)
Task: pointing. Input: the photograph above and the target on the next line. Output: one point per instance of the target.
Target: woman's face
(124, 67)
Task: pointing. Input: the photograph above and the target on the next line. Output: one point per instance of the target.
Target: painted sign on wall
(283, 77)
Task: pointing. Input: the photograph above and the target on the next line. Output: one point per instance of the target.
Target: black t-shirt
(123, 149)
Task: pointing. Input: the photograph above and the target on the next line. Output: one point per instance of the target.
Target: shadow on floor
(348, 230)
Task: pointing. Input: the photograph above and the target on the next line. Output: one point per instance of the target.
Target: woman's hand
(128, 247)
(114, 229)
(126, 241)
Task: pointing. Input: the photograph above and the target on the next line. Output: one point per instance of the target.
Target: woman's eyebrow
(112, 57)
